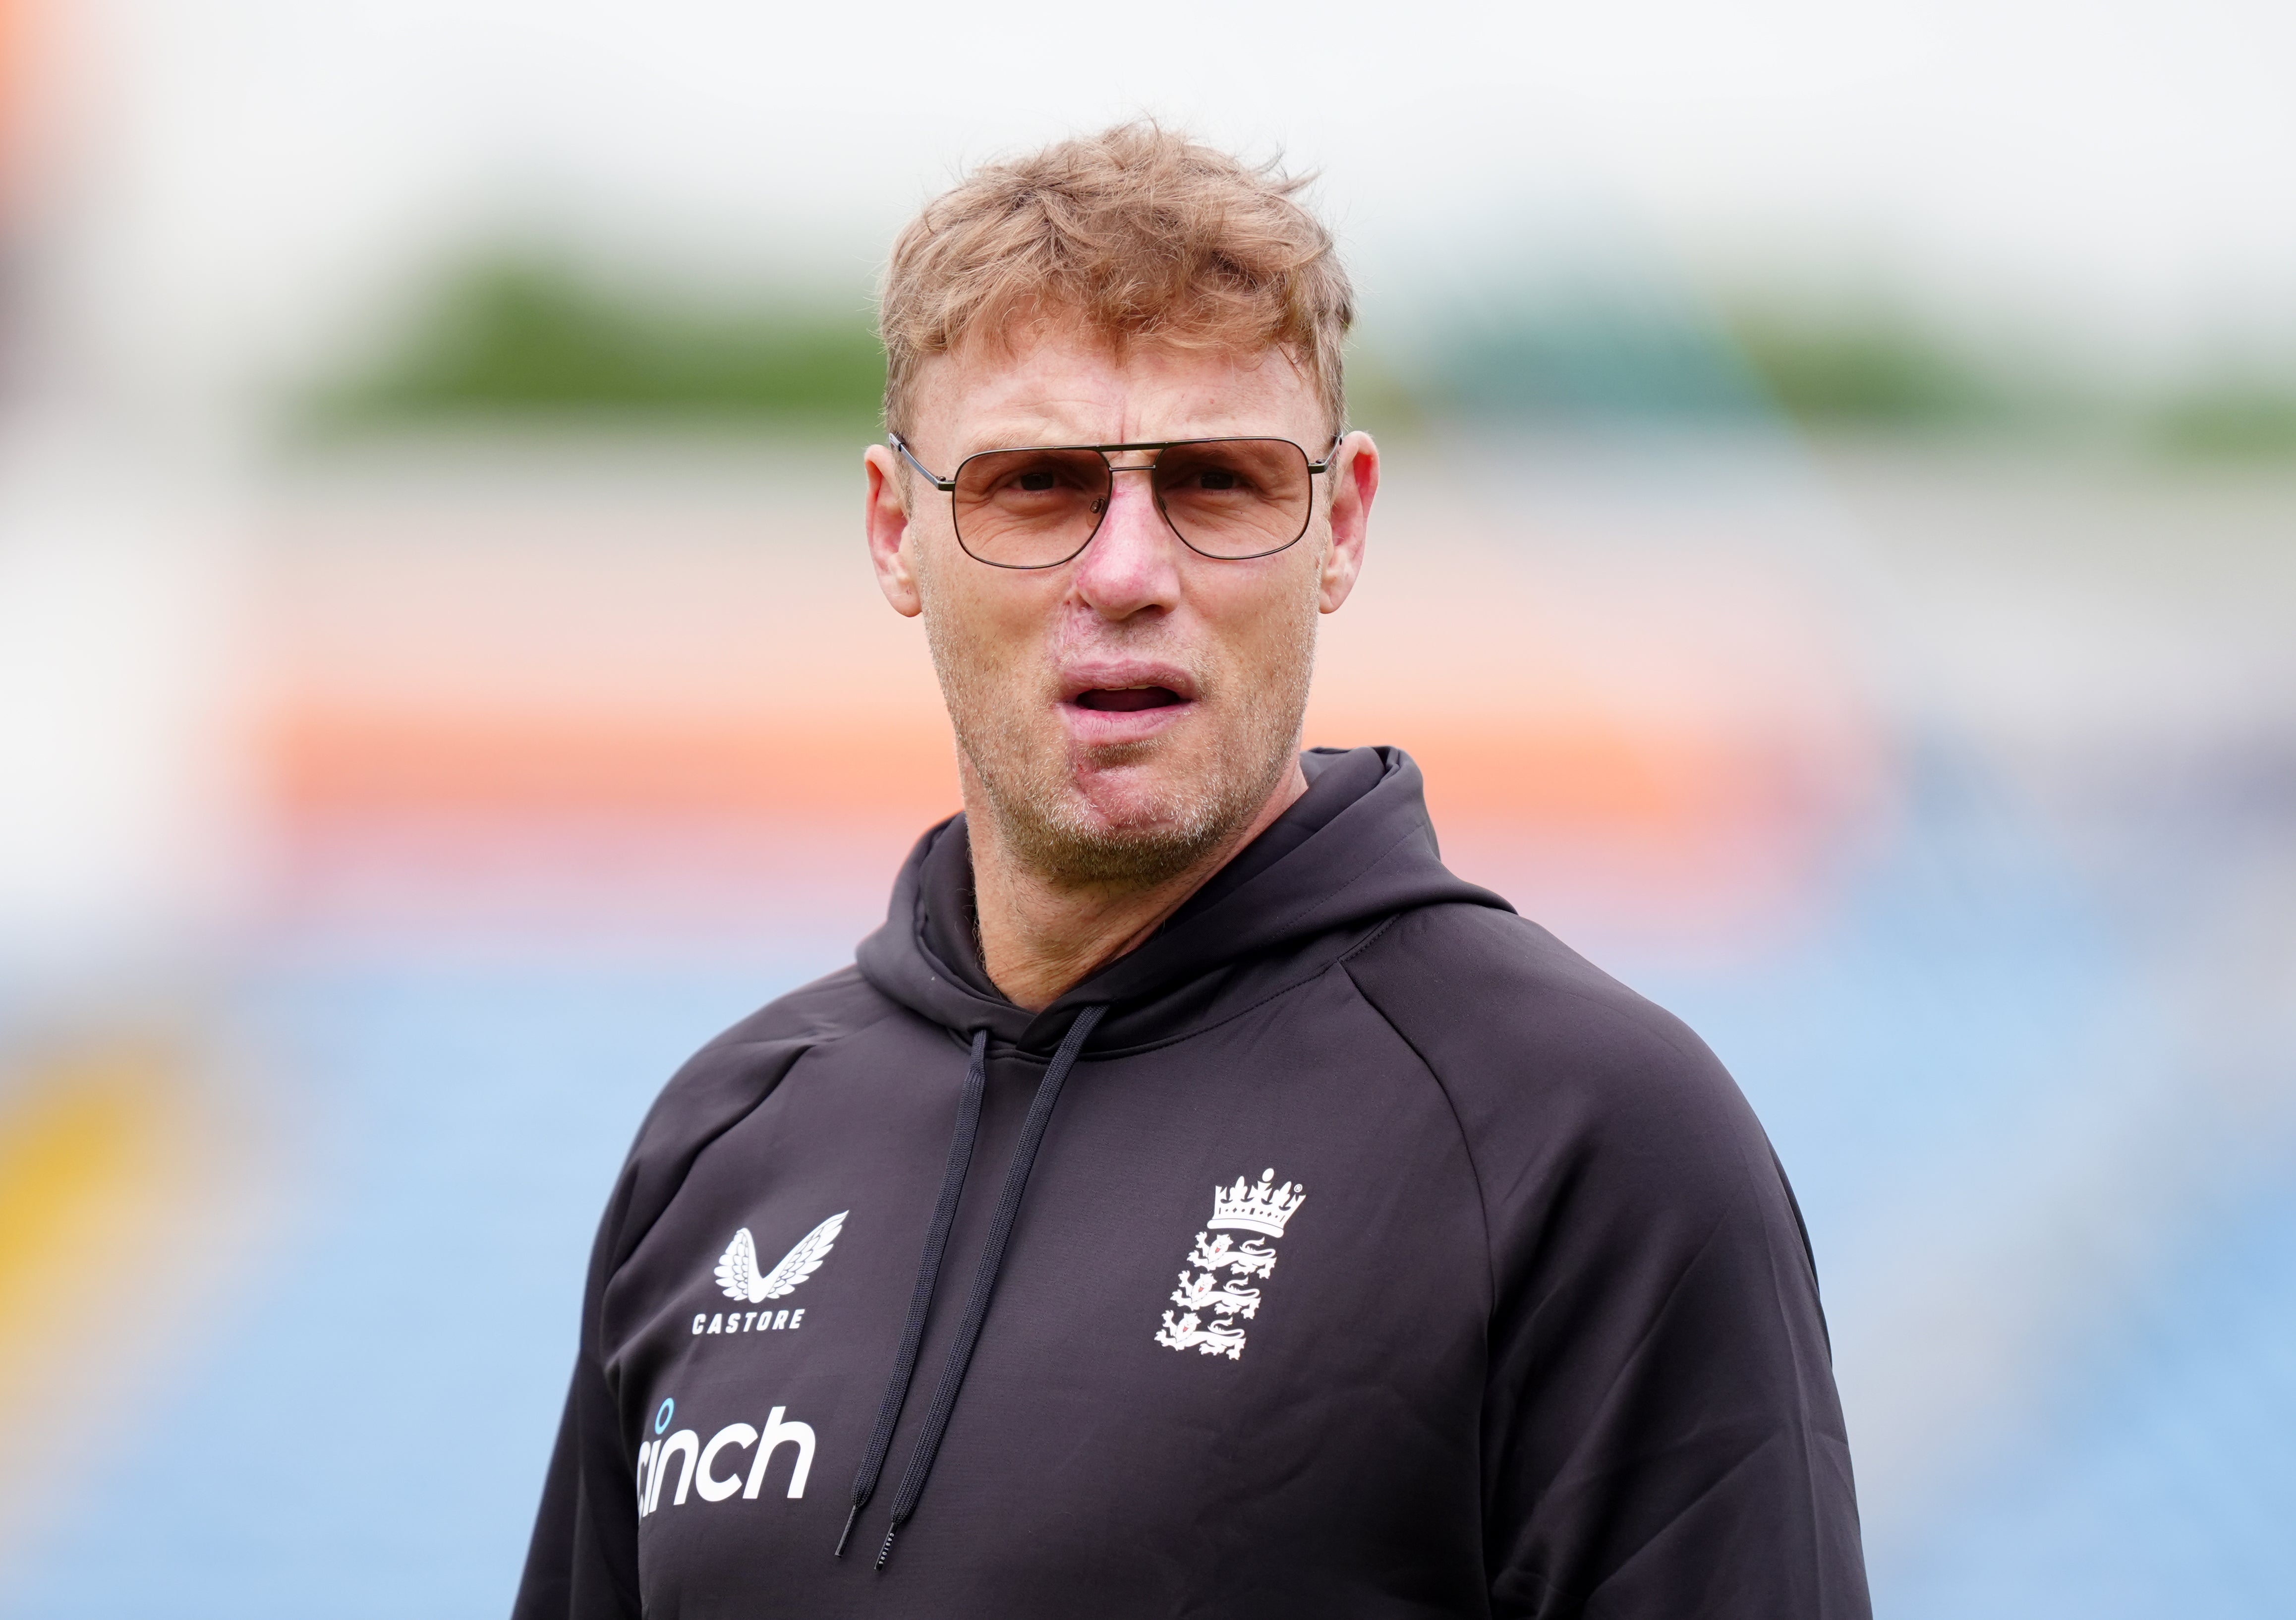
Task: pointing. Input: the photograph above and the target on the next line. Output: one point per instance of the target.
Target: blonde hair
(1138, 233)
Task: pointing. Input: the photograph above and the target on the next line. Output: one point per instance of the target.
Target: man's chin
(1123, 782)
(1147, 791)
(1127, 858)
(1133, 823)
(1129, 812)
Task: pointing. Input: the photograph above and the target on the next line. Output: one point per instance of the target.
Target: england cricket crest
(1218, 1291)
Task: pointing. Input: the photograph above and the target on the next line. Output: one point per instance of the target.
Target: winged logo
(737, 1268)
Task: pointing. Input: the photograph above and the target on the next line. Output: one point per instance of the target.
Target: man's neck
(1039, 937)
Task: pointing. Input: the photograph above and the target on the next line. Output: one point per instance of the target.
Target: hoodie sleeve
(1661, 1438)
(582, 1562)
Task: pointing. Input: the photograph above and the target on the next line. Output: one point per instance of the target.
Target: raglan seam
(596, 1328)
(703, 1145)
(1652, 1029)
(1451, 1107)
(699, 1145)
(1750, 1175)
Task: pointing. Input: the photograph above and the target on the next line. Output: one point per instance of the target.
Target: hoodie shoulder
(724, 1082)
(1550, 1062)
(736, 1067)
(1661, 1433)
(829, 1009)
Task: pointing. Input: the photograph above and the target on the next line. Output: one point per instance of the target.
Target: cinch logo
(697, 1464)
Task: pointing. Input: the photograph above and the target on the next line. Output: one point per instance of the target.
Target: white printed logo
(737, 1269)
(738, 1276)
(700, 1463)
(1264, 1209)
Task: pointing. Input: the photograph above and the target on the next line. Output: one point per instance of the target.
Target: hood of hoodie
(1356, 850)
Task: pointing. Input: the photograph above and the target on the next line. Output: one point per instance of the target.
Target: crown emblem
(1264, 1208)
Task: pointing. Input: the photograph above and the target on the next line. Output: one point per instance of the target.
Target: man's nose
(1132, 563)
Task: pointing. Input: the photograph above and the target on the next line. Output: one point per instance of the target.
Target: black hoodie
(1349, 1248)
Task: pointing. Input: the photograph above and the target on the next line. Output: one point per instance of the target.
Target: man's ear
(885, 518)
(1355, 483)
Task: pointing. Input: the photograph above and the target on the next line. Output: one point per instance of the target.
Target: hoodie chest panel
(1199, 1387)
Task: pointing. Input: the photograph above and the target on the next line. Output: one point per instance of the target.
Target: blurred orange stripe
(1648, 780)
(329, 762)
(1565, 773)
(14, 74)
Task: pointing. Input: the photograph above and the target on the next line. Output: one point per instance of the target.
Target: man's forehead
(1070, 388)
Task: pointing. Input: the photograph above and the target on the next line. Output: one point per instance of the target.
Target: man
(1195, 1200)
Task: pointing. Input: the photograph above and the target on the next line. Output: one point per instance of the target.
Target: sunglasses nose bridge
(1105, 505)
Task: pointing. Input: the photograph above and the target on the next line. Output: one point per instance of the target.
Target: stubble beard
(1048, 824)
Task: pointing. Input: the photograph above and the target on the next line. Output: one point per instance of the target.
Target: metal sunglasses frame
(948, 486)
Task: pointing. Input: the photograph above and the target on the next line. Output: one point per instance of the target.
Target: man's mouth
(1126, 700)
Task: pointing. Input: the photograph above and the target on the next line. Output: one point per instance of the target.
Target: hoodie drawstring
(984, 1281)
(904, 1364)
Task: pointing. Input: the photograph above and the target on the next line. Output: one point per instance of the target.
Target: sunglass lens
(1235, 497)
(1029, 508)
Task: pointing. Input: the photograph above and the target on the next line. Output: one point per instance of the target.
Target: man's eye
(1216, 478)
(1036, 481)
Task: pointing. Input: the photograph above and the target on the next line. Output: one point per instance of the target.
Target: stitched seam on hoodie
(1467, 1145)
(614, 1271)
(629, 1251)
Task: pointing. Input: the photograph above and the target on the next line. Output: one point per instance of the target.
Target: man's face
(1126, 712)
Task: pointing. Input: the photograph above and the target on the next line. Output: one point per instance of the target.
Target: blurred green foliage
(1642, 353)
(2232, 419)
(1598, 359)
(1877, 368)
(524, 334)
(1379, 399)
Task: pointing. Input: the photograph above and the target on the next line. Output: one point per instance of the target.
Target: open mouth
(1126, 700)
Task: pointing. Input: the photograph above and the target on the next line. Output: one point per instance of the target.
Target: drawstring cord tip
(886, 1551)
(848, 1529)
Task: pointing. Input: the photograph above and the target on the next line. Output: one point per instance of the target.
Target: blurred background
(1837, 566)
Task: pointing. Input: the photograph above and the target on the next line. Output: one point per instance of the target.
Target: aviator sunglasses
(1230, 498)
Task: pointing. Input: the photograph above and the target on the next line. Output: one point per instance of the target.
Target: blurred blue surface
(368, 1440)
(2157, 1478)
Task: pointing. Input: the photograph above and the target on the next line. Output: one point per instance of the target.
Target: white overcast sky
(231, 177)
